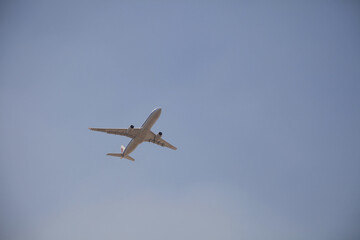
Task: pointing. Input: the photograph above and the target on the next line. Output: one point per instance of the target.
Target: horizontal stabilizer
(129, 158)
(115, 154)
(120, 155)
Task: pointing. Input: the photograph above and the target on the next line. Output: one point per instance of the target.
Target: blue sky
(261, 99)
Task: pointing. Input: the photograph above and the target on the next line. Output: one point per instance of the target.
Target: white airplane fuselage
(145, 131)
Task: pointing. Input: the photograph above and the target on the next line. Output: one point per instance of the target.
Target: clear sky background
(261, 99)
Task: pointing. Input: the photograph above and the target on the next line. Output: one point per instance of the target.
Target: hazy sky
(261, 99)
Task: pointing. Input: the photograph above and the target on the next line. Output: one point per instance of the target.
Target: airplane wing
(160, 141)
(118, 131)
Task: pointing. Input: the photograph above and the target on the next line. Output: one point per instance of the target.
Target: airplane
(138, 135)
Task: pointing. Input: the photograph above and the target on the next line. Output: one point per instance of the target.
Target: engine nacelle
(129, 130)
(158, 136)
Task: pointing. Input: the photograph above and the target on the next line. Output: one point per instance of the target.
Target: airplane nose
(156, 111)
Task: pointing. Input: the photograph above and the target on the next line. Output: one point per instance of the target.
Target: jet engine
(158, 136)
(129, 130)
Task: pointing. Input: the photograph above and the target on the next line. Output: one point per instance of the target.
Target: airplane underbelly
(133, 144)
(130, 147)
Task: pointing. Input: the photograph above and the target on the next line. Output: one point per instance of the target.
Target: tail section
(121, 155)
(115, 155)
(129, 158)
